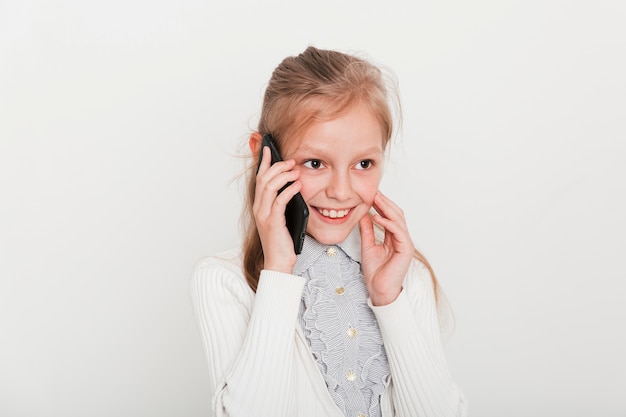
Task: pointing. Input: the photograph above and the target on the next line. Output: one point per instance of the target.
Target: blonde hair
(315, 85)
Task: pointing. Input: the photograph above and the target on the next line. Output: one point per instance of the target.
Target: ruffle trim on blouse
(328, 341)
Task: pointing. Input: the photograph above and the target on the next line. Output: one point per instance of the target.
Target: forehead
(354, 130)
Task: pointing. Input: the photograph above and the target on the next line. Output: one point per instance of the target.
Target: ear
(255, 142)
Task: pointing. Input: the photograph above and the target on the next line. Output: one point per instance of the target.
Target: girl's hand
(385, 264)
(269, 211)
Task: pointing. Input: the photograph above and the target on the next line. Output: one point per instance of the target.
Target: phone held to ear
(297, 212)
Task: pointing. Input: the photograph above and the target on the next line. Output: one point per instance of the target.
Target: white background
(121, 125)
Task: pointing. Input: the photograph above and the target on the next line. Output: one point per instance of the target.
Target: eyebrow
(322, 151)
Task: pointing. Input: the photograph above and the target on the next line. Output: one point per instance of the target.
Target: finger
(394, 224)
(389, 224)
(261, 178)
(278, 180)
(274, 215)
(266, 160)
(288, 193)
(386, 207)
(275, 169)
(398, 231)
(268, 184)
(368, 238)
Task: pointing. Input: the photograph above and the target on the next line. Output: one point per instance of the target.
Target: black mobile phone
(297, 212)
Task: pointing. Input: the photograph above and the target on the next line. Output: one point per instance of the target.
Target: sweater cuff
(278, 295)
(392, 317)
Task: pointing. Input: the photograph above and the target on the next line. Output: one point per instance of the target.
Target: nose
(339, 186)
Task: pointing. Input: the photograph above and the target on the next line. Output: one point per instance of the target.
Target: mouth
(333, 213)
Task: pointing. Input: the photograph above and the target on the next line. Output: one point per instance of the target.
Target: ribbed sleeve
(248, 338)
(421, 383)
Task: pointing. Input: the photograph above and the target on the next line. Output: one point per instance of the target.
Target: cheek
(310, 186)
(368, 189)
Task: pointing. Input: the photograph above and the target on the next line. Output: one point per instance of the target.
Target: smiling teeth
(334, 214)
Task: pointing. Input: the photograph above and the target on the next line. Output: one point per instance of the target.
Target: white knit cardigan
(260, 364)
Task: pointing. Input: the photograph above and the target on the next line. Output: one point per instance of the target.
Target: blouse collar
(312, 250)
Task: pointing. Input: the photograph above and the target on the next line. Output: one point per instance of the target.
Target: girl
(349, 327)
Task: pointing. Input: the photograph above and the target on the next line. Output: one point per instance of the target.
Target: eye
(365, 164)
(313, 164)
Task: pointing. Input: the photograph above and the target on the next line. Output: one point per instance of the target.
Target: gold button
(350, 376)
(361, 415)
(331, 251)
(351, 332)
(340, 290)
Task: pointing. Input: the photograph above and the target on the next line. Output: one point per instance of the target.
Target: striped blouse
(340, 327)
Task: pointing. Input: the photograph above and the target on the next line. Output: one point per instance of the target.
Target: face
(340, 163)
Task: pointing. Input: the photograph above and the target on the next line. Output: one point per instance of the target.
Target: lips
(333, 213)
